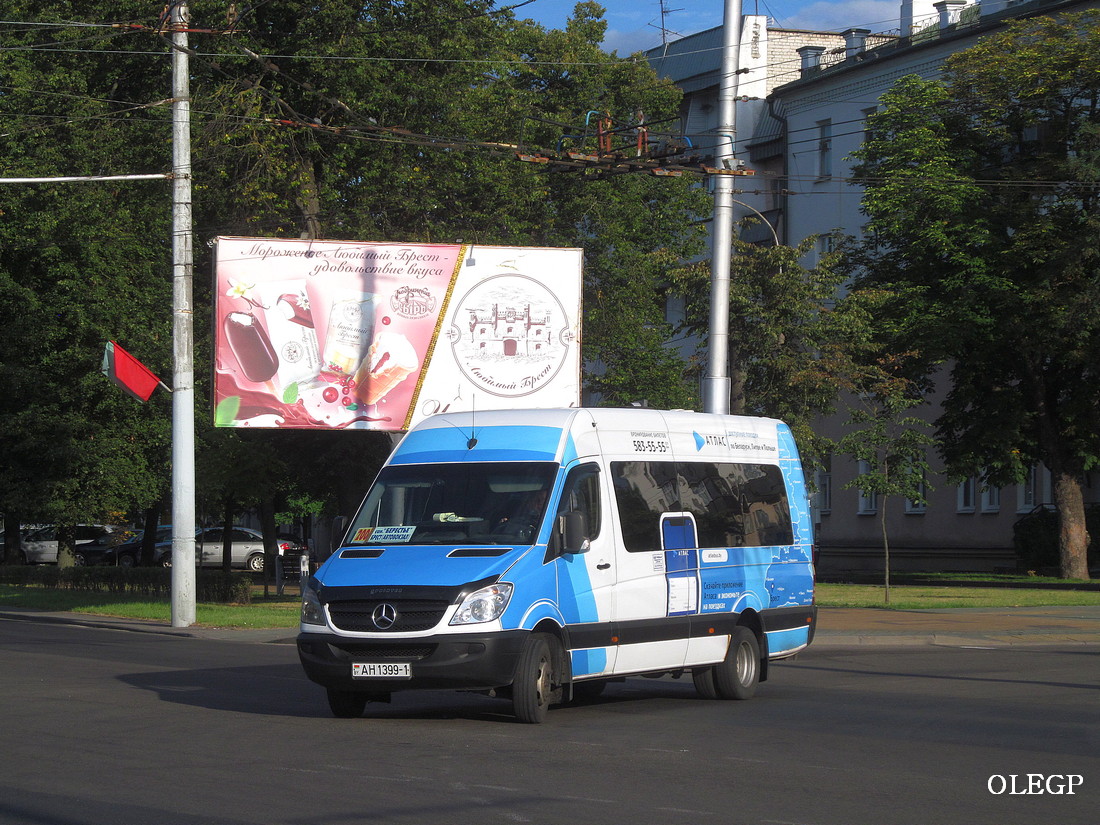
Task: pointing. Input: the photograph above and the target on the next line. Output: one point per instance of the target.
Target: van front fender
(542, 610)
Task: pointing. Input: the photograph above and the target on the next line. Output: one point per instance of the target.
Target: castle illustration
(509, 331)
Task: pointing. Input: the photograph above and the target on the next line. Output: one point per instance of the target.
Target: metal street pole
(716, 385)
(183, 374)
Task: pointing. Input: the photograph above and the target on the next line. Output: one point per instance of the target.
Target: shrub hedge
(212, 586)
(1035, 537)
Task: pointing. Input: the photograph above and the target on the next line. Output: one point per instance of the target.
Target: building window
(675, 309)
(918, 506)
(1035, 491)
(991, 499)
(824, 491)
(824, 148)
(966, 494)
(868, 129)
(868, 499)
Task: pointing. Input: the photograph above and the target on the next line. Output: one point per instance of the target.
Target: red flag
(128, 372)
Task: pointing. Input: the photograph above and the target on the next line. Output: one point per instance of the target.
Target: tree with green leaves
(889, 441)
(365, 120)
(80, 263)
(410, 132)
(792, 343)
(983, 195)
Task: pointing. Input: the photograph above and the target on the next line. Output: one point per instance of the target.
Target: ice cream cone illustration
(390, 360)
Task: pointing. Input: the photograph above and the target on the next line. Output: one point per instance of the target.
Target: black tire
(127, 560)
(78, 560)
(256, 563)
(166, 560)
(739, 674)
(704, 682)
(346, 704)
(537, 683)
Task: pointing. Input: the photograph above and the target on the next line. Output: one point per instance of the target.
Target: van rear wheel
(537, 684)
(704, 682)
(738, 675)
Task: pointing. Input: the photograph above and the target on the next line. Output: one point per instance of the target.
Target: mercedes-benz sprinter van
(538, 554)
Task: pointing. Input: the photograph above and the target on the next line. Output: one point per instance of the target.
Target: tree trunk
(227, 537)
(13, 544)
(271, 549)
(66, 545)
(737, 391)
(149, 536)
(885, 548)
(1073, 537)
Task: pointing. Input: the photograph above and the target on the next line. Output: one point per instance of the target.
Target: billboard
(334, 335)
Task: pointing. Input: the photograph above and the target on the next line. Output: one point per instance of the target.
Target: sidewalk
(836, 627)
(983, 627)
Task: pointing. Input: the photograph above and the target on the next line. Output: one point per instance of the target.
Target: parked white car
(40, 547)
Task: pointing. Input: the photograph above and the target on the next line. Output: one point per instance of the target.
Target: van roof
(545, 434)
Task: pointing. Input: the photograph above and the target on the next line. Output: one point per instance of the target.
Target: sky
(634, 25)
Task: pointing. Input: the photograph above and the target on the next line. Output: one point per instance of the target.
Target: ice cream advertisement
(355, 335)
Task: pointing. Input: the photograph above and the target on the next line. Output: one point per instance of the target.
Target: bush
(1035, 537)
(145, 582)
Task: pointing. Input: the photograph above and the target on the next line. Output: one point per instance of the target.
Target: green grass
(274, 612)
(264, 612)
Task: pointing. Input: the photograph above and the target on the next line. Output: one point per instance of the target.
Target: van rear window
(734, 505)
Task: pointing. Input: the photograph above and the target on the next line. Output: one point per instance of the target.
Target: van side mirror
(574, 530)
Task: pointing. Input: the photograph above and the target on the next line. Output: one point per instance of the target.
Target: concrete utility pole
(183, 336)
(716, 385)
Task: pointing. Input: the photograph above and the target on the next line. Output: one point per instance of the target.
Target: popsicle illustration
(295, 307)
(390, 360)
(250, 345)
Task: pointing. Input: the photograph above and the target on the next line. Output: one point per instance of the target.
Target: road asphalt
(836, 627)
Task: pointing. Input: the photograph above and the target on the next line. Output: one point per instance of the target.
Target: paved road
(155, 726)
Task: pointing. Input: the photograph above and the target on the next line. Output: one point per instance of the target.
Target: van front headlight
(484, 605)
(312, 611)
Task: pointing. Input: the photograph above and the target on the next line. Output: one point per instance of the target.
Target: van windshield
(476, 503)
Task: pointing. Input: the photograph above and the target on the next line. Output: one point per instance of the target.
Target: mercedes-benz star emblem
(384, 616)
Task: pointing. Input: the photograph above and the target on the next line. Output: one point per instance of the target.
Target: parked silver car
(247, 549)
(40, 547)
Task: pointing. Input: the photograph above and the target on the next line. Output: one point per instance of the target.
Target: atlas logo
(702, 441)
(1034, 783)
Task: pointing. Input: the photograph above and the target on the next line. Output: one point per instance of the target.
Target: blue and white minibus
(538, 554)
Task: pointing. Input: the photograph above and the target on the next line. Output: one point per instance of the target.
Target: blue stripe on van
(518, 443)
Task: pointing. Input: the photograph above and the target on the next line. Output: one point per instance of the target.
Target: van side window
(734, 505)
(643, 491)
(737, 505)
(582, 493)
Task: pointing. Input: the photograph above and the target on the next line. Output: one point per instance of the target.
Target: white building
(800, 115)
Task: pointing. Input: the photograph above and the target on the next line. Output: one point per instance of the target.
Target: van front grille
(379, 652)
(370, 616)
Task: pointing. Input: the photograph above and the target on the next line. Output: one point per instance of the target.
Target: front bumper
(457, 661)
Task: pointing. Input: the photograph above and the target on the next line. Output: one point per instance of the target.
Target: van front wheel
(537, 684)
(346, 704)
(738, 675)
